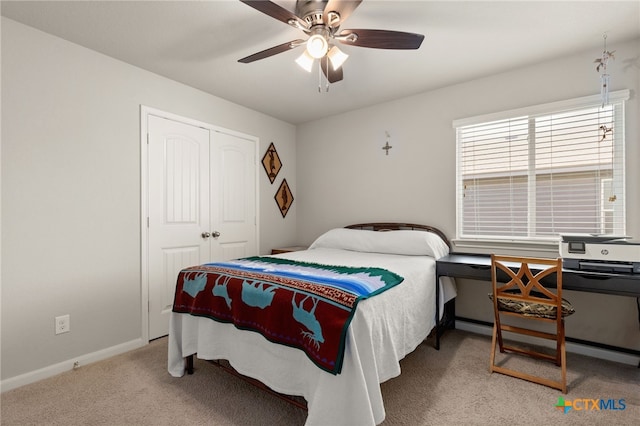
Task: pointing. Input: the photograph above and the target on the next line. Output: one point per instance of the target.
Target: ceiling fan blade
(276, 11)
(272, 51)
(344, 9)
(381, 39)
(331, 74)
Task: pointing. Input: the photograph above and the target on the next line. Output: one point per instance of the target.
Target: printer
(600, 253)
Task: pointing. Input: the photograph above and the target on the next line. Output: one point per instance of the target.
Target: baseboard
(592, 351)
(61, 367)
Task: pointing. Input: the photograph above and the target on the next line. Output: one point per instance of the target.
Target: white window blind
(535, 173)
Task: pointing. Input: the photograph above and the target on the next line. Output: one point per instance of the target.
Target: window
(535, 173)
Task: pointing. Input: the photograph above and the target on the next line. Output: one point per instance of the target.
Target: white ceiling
(199, 43)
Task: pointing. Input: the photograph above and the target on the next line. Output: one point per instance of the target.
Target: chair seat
(539, 310)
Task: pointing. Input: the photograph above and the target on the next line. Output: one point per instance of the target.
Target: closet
(201, 195)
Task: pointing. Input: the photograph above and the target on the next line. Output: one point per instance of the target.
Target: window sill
(531, 248)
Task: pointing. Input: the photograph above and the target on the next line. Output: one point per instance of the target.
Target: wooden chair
(522, 295)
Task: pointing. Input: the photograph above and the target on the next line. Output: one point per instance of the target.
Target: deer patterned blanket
(303, 305)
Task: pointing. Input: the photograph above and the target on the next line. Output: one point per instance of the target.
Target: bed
(382, 329)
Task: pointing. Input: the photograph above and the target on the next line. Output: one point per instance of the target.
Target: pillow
(405, 242)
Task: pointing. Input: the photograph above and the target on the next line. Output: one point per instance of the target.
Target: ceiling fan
(321, 20)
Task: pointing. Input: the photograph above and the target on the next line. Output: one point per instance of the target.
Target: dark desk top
(478, 267)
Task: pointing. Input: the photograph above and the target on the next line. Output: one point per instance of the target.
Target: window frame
(536, 242)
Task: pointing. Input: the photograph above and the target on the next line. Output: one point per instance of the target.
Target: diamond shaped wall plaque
(271, 162)
(284, 197)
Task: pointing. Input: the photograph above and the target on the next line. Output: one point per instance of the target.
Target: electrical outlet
(63, 324)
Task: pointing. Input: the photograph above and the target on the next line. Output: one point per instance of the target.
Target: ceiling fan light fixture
(337, 57)
(321, 20)
(317, 46)
(305, 61)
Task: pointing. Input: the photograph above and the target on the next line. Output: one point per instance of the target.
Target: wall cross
(386, 146)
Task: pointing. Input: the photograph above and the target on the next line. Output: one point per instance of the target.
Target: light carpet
(451, 386)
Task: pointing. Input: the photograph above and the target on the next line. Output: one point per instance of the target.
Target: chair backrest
(522, 285)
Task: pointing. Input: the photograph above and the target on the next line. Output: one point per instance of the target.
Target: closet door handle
(215, 234)
(205, 235)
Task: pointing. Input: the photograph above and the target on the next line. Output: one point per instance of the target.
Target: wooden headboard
(395, 226)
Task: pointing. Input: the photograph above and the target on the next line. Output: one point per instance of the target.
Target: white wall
(71, 193)
(344, 176)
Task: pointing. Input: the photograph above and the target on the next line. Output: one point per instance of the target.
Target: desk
(478, 267)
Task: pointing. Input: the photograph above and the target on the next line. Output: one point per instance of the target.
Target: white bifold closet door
(202, 205)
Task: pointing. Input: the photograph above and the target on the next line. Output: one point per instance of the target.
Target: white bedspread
(384, 329)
